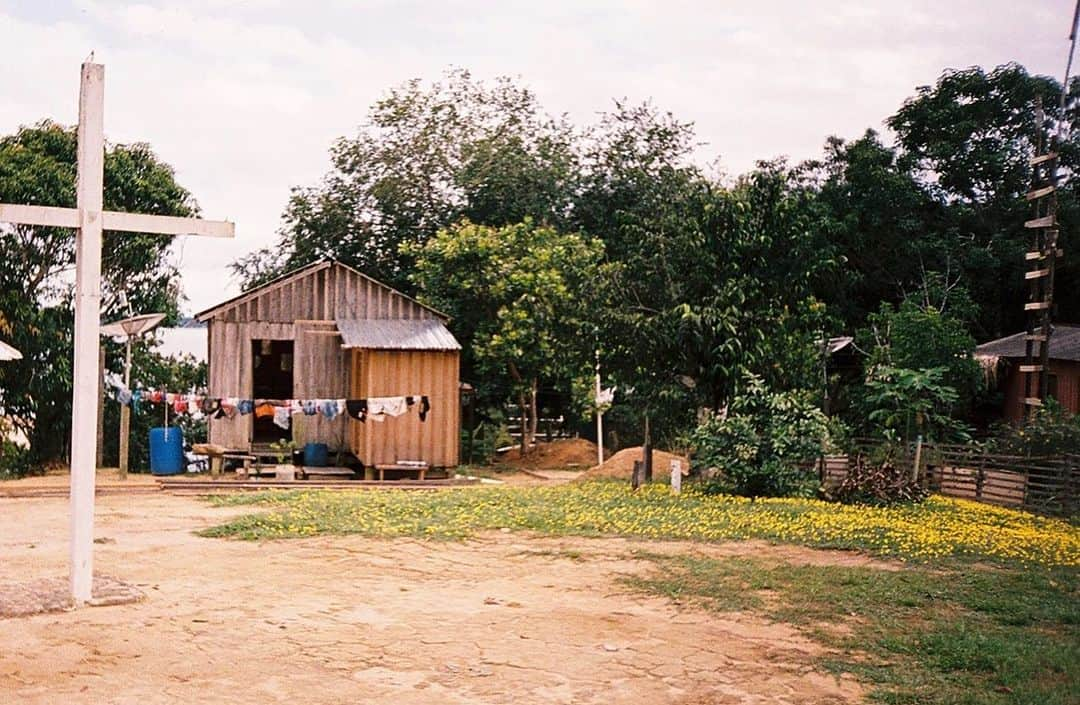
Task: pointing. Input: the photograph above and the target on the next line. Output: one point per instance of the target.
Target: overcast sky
(244, 98)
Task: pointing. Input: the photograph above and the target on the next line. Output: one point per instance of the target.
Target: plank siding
(302, 307)
(380, 373)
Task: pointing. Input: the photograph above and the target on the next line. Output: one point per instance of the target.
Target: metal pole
(125, 415)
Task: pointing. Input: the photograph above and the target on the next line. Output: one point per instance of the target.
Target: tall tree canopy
(428, 156)
(38, 166)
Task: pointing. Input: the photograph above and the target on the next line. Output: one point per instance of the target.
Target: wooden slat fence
(1047, 485)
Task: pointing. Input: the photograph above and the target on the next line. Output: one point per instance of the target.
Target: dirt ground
(504, 618)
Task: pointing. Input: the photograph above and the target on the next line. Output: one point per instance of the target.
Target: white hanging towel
(380, 407)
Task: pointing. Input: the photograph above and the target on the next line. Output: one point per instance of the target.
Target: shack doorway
(271, 378)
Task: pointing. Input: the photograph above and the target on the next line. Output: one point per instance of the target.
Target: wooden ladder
(1041, 258)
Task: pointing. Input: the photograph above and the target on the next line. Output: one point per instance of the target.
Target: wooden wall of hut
(382, 373)
(300, 307)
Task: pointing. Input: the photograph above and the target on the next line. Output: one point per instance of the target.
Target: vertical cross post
(89, 202)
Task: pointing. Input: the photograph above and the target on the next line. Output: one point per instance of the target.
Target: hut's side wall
(379, 373)
(320, 371)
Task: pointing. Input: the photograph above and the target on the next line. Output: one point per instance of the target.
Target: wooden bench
(421, 470)
(307, 471)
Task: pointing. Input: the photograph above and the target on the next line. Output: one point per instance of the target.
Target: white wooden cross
(90, 219)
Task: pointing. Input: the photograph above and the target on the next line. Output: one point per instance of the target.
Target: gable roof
(298, 274)
(1064, 344)
(393, 334)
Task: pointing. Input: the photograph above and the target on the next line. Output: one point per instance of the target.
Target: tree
(970, 136)
(38, 166)
(428, 156)
(518, 297)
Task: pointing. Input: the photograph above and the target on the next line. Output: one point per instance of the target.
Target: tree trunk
(534, 421)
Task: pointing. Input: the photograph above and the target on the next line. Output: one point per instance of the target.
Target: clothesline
(281, 410)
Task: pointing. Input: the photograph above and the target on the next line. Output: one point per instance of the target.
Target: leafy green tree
(971, 135)
(519, 298)
(428, 156)
(905, 403)
(38, 166)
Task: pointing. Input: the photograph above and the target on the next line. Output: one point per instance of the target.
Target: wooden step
(1042, 158)
(1037, 274)
(1037, 254)
(1033, 401)
(1040, 192)
(1037, 306)
(1031, 368)
(1047, 221)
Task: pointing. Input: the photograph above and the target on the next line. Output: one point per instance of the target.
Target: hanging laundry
(209, 405)
(386, 406)
(356, 408)
(425, 407)
(245, 406)
(281, 416)
(123, 395)
(136, 399)
(311, 407)
(264, 410)
(179, 405)
(329, 408)
(340, 406)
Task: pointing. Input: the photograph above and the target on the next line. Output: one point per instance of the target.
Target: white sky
(244, 98)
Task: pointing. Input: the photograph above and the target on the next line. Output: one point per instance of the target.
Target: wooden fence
(1047, 485)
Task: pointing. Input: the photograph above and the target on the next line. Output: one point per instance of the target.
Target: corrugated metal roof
(1064, 344)
(395, 334)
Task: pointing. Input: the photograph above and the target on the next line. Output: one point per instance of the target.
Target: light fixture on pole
(127, 329)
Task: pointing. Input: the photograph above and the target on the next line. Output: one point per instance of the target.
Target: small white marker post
(90, 219)
(676, 476)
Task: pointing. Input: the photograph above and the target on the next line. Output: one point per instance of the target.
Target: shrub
(1051, 431)
(765, 443)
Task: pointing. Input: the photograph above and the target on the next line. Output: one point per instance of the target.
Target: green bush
(765, 444)
(1051, 431)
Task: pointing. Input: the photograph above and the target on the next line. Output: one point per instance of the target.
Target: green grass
(943, 635)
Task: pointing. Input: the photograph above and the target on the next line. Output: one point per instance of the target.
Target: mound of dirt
(621, 465)
(557, 455)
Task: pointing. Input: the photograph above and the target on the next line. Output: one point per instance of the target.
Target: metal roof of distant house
(1064, 344)
(395, 334)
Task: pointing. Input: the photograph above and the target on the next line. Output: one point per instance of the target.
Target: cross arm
(51, 216)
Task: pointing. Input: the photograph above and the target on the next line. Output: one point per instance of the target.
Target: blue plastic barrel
(316, 455)
(166, 451)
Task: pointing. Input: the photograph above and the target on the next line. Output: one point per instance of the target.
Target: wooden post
(646, 449)
(599, 416)
(635, 478)
(918, 459)
(91, 171)
(125, 414)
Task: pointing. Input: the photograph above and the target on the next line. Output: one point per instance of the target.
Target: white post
(599, 417)
(91, 154)
(125, 415)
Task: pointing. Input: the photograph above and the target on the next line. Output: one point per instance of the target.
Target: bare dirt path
(505, 618)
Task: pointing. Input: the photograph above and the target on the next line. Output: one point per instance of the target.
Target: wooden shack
(1003, 357)
(327, 331)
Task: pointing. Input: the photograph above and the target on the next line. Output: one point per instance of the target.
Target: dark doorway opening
(272, 378)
